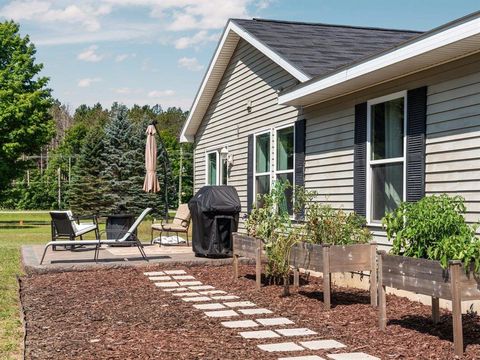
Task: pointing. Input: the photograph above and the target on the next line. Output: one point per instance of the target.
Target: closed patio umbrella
(151, 182)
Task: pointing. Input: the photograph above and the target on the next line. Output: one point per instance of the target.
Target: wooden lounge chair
(128, 238)
(180, 223)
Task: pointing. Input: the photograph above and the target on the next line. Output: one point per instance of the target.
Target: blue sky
(156, 51)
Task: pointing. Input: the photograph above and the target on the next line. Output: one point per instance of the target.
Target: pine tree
(85, 192)
(123, 163)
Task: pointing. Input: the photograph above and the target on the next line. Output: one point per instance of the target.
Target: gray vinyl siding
(249, 76)
(452, 144)
(453, 141)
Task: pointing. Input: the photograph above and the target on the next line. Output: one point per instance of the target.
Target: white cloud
(44, 11)
(123, 90)
(200, 38)
(190, 64)
(90, 54)
(160, 93)
(87, 82)
(123, 57)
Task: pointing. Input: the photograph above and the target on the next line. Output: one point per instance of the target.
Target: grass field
(17, 229)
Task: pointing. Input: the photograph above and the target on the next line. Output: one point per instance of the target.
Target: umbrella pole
(166, 168)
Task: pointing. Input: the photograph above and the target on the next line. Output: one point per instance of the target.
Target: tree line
(91, 160)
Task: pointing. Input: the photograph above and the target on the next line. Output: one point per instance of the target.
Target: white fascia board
(232, 27)
(408, 51)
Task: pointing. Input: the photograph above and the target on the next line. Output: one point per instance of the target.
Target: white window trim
(370, 162)
(273, 172)
(217, 177)
(255, 174)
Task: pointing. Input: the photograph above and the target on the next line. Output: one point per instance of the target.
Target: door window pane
(212, 168)
(387, 129)
(288, 177)
(285, 149)
(262, 161)
(262, 186)
(387, 188)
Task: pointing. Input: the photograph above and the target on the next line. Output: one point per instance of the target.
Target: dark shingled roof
(317, 49)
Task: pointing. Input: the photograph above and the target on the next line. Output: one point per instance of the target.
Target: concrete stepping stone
(258, 311)
(175, 272)
(211, 306)
(172, 290)
(305, 357)
(322, 344)
(286, 346)
(186, 294)
(160, 278)
(296, 332)
(239, 304)
(196, 299)
(352, 356)
(260, 334)
(154, 273)
(274, 321)
(189, 283)
(239, 324)
(166, 284)
(221, 313)
(183, 277)
(201, 287)
(225, 297)
(212, 292)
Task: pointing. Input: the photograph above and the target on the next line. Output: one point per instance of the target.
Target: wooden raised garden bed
(250, 248)
(330, 259)
(427, 277)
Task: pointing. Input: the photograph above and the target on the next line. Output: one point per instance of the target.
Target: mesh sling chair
(128, 238)
(180, 223)
(66, 226)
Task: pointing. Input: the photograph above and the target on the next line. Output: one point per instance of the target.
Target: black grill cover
(215, 211)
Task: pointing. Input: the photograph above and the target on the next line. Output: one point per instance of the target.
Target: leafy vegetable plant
(327, 225)
(434, 228)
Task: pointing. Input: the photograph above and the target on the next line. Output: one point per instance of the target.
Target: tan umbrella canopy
(151, 182)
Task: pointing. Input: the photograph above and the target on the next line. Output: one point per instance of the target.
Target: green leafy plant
(434, 228)
(272, 223)
(327, 225)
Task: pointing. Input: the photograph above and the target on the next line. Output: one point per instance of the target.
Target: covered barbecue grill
(215, 211)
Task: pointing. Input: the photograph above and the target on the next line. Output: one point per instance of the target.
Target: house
(367, 117)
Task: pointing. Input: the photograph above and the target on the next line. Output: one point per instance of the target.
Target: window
(385, 155)
(283, 159)
(217, 168)
(262, 165)
(212, 166)
(284, 165)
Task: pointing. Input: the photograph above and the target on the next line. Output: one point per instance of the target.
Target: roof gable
(303, 50)
(316, 49)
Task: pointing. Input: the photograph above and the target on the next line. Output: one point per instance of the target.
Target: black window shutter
(416, 127)
(250, 173)
(360, 160)
(300, 127)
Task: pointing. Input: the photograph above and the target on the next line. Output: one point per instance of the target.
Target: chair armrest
(83, 217)
(184, 222)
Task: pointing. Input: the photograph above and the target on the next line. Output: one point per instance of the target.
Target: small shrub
(434, 228)
(326, 225)
(273, 225)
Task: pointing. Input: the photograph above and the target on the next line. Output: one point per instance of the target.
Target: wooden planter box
(427, 277)
(329, 259)
(250, 248)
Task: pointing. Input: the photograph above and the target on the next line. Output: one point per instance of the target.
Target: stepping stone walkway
(217, 304)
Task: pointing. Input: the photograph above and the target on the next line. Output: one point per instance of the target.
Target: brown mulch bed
(120, 314)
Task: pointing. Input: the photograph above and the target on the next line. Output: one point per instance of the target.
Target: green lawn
(16, 229)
